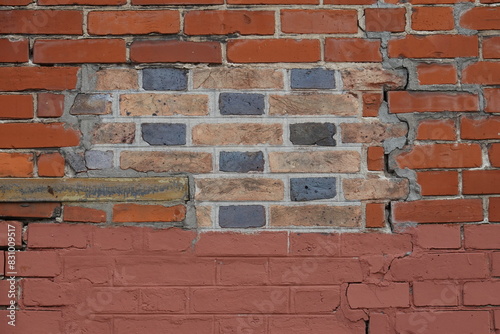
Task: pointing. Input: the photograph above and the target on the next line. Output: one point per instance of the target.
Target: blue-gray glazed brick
(314, 78)
(242, 216)
(164, 79)
(312, 188)
(164, 133)
(320, 134)
(241, 162)
(241, 104)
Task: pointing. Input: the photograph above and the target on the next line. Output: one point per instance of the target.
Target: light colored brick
(371, 132)
(245, 189)
(371, 78)
(237, 78)
(117, 79)
(314, 104)
(373, 189)
(316, 215)
(204, 216)
(315, 162)
(172, 161)
(150, 104)
(237, 134)
(113, 133)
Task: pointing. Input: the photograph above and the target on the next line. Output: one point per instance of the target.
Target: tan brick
(315, 162)
(368, 189)
(172, 161)
(314, 104)
(245, 189)
(237, 78)
(371, 78)
(371, 132)
(150, 104)
(316, 215)
(113, 133)
(117, 79)
(237, 134)
(204, 216)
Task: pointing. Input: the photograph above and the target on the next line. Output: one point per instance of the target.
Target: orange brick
(438, 183)
(51, 165)
(491, 47)
(483, 72)
(175, 51)
(480, 128)
(126, 213)
(434, 46)
(79, 51)
(82, 214)
(64, 22)
(300, 21)
(375, 158)
(385, 19)
(436, 129)
(16, 106)
(439, 211)
(133, 22)
(224, 22)
(432, 18)
(441, 156)
(34, 135)
(273, 51)
(27, 78)
(16, 164)
(408, 101)
(375, 215)
(492, 99)
(371, 104)
(481, 18)
(352, 50)
(436, 74)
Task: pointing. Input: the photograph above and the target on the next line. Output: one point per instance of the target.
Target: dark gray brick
(164, 79)
(242, 216)
(312, 134)
(99, 159)
(241, 104)
(164, 133)
(315, 78)
(312, 188)
(241, 162)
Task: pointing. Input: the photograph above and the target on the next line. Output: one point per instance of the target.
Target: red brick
(314, 244)
(436, 322)
(441, 156)
(83, 214)
(486, 73)
(233, 244)
(4, 290)
(480, 128)
(27, 78)
(434, 46)
(385, 19)
(436, 129)
(11, 229)
(433, 2)
(133, 22)
(175, 51)
(138, 213)
(164, 300)
(16, 106)
(96, 269)
(371, 104)
(407, 101)
(79, 51)
(438, 236)
(46, 22)
(314, 271)
(436, 74)
(440, 266)
(491, 47)
(315, 300)
(14, 2)
(32, 322)
(51, 235)
(50, 105)
(165, 323)
(482, 236)
(481, 18)
(438, 183)
(43, 292)
(492, 99)
(224, 22)
(51, 165)
(494, 209)
(373, 296)
(375, 215)
(177, 2)
(375, 158)
(349, 2)
(82, 2)
(352, 50)
(477, 182)
(435, 294)
(273, 2)
(273, 51)
(29, 210)
(313, 324)
(30, 135)
(358, 244)
(179, 241)
(300, 21)
(2, 262)
(482, 293)
(495, 270)
(432, 18)
(14, 51)
(439, 211)
(379, 323)
(242, 271)
(37, 264)
(122, 238)
(16, 165)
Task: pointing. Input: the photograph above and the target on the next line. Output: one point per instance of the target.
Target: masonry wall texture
(287, 166)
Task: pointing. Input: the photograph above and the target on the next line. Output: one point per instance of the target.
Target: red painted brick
(224, 22)
(436, 322)
(37, 264)
(432, 18)
(495, 270)
(234, 244)
(51, 165)
(123, 238)
(313, 324)
(482, 236)
(436, 129)
(16, 165)
(438, 211)
(438, 183)
(79, 51)
(11, 232)
(179, 241)
(51, 235)
(480, 128)
(491, 47)
(31, 135)
(83, 214)
(435, 294)
(375, 215)
(434, 46)
(164, 300)
(482, 293)
(477, 182)
(486, 73)
(352, 50)
(481, 18)
(2, 262)
(32, 322)
(166, 323)
(440, 266)
(492, 99)
(379, 323)
(357, 244)
(14, 51)
(50, 105)
(438, 236)
(494, 209)
(371, 104)
(441, 156)
(300, 21)
(64, 22)
(27, 78)
(97, 269)
(385, 19)
(242, 271)
(314, 244)
(133, 22)
(16, 106)
(408, 101)
(129, 213)
(44, 292)
(5, 286)
(29, 210)
(436, 74)
(373, 296)
(175, 51)
(315, 300)
(273, 51)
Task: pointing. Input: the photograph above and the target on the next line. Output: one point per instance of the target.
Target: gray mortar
(458, 10)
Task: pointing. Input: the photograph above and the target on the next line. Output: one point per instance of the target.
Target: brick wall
(286, 166)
